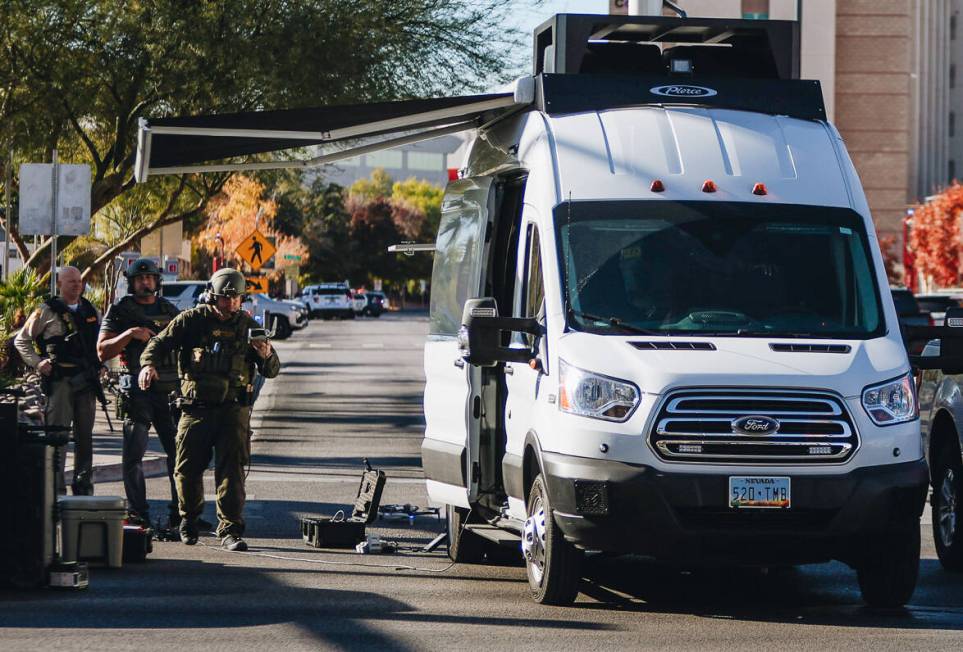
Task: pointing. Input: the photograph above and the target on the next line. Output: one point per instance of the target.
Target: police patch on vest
(219, 333)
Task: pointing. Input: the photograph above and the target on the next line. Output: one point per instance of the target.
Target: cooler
(93, 529)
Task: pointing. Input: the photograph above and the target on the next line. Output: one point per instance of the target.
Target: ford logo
(682, 90)
(755, 425)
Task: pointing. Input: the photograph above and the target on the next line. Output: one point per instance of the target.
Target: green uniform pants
(223, 430)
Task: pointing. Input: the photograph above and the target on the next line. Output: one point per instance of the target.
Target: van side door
(523, 382)
(449, 451)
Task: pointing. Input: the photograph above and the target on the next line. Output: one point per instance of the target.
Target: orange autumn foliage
(231, 214)
(935, 237)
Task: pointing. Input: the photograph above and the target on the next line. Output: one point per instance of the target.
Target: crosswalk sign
(257, 284)
(255, 250)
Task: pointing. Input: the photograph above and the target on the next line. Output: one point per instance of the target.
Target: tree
(935, 237)
(77, 75)
(231, 218)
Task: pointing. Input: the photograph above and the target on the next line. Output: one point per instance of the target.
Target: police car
(329, 300)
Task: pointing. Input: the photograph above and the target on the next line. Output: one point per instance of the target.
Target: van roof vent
(810, 348)
(674, 346)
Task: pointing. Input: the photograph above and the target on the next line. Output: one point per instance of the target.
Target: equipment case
(326, 532)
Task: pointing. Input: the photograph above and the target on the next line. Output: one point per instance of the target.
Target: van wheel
(887, 578)
(947, 505)
(553, 564)
(464, 547)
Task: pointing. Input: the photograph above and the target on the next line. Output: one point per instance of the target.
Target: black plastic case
(325, 532)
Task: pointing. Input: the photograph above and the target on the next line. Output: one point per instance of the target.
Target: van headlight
(592, 395)
(891, 402)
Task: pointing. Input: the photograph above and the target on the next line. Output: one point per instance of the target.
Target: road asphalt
(353, 389)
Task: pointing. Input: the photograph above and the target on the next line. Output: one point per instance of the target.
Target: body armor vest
(132, 314)
(77, 347)
(214, 365)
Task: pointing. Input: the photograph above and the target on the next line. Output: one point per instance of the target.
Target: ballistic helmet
(142, 267)
(227, 282)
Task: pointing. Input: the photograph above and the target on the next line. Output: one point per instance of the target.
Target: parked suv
(941, 418)
(183, 294)
(328, 300)
(374, 304)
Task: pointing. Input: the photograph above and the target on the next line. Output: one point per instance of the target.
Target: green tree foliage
(426, 198)
(79, 74)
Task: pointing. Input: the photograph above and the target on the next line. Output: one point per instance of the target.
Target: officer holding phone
(216, 361)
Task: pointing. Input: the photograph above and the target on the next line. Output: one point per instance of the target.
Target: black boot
(188, 532)
(82, 486)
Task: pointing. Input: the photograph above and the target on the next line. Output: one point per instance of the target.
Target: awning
(195, 143)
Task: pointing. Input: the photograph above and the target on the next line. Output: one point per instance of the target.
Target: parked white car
(329, 300)
(183, 294)
(283, 316)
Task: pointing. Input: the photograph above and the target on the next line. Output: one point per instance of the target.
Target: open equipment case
(339, 532)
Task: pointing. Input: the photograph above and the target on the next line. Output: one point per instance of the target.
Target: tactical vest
(77, 347)
(213, 362)
(132, 314)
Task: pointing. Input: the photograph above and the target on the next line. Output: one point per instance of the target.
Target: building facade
(426, 161)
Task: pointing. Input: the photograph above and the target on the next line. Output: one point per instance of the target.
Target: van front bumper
(619, 507)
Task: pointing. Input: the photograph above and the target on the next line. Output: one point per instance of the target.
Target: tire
(281, 326)
(887, 578)
(464, 547)
(947, 506)
(553, 565)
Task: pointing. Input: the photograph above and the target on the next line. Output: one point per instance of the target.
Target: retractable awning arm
(190, 144)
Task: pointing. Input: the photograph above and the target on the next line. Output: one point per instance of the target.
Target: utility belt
(240, 396)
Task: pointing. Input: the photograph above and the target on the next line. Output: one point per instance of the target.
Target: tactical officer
(126, 328)
(216, 361)
(65, 330)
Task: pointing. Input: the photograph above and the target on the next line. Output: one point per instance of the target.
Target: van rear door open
(452, 402)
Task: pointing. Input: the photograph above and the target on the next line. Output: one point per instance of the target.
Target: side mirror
(479, 339)
(947, 354)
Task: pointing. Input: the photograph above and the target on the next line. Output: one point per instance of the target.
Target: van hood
(736, 362)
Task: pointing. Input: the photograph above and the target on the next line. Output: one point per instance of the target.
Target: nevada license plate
(764, 492)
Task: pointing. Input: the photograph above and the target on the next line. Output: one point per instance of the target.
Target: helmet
(227, 282)
(142, 267)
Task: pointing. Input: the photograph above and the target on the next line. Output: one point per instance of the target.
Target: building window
(952, 125)
(387, 159)
(426, 161)
(352, 162)
(951, 169)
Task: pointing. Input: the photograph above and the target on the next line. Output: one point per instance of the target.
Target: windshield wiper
(614, 322)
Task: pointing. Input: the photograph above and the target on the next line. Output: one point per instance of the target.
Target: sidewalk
(108, 447)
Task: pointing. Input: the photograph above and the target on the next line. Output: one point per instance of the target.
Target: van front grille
(803, 427)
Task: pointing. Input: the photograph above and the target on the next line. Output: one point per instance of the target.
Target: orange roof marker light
(760, 189)
(709, 186)
(657, 186)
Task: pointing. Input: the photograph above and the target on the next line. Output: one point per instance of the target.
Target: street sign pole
(8, 216)
(53, 236)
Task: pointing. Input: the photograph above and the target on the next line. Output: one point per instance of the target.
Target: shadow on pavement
(825, 594)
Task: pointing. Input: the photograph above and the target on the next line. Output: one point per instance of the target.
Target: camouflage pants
(221, 431)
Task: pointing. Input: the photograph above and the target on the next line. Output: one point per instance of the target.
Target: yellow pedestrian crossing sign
(255, 250)
(257, 284)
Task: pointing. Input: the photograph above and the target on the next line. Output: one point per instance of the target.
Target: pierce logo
(682, 90)
(755, 425)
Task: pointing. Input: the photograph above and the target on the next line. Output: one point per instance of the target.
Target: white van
(660, 321)
(660, 324)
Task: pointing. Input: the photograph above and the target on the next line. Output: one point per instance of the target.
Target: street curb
(153, 467)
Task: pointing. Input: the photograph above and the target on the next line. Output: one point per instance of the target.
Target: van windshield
(712, 268)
